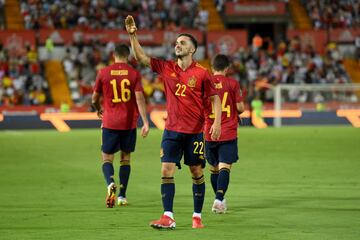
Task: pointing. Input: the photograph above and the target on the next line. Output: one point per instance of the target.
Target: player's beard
(181, 55)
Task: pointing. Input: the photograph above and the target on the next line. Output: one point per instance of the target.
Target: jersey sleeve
(209, 86)
(138, 85)
(157, 65)
(98, 83)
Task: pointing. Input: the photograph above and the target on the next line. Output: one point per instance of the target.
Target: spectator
(357, 46)
(334, 14)
(151, 15)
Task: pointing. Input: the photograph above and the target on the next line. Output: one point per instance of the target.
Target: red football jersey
(230, 94)
(185, 93)
(117, 83)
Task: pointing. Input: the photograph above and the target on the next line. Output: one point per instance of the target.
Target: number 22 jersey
(185, 92)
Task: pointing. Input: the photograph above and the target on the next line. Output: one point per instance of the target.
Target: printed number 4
(125, 92)
(224, 107)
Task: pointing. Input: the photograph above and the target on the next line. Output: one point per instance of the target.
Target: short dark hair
(122, 51)
(192, 39)
(220, 62)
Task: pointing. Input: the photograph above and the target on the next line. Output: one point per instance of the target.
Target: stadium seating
(255, 69)
(22, 79)
(109, 14)
(333, 14)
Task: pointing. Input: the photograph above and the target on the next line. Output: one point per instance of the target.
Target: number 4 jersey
(185, 92)
(229, 92)
(118, 83)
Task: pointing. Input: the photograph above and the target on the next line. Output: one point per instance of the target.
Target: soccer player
(119, 86)
(187, 84)
(223, 152)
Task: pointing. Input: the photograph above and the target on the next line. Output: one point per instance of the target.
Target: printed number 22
(199, 148)
(180, 91)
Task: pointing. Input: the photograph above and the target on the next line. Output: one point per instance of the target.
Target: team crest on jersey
(192, 82)
(218, 85)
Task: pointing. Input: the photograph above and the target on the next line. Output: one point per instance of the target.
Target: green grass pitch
(290, 183)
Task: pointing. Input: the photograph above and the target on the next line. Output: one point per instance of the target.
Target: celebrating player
(187, 85)
(119, 85)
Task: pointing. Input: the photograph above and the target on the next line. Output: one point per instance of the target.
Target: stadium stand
(258, 68)
(2, 14)
(332, 14)
(13, 16)
(110, 14)
(289, 63)
(22, 79)
(299, 15)
(57, 83)
(213, 19)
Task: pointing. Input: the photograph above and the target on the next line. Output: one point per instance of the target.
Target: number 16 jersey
(117, 84)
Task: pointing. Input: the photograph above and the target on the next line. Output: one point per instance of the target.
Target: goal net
(343, 99)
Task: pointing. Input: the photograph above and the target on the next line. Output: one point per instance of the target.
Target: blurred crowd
(260, 67)
(2, 14)
(109, 14)
(257, 68)
(79, 62)
(334, 13)
(22, 79)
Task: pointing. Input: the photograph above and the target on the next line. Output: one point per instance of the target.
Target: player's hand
(130, 25)
(215, 132)
(145, 130)
(100, 113)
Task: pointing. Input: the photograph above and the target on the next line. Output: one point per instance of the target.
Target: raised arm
(135, 45)
(140, 100)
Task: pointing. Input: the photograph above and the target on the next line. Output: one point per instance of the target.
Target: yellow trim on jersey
(200, 66)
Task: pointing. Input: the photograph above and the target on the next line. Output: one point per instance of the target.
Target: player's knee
(196, 171)
(125, 156)
(168, 169)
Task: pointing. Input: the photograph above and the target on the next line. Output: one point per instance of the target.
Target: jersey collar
(193, 64)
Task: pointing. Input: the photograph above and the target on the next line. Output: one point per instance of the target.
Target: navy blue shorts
(115, 140)
(174, 145)
(225, 152)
